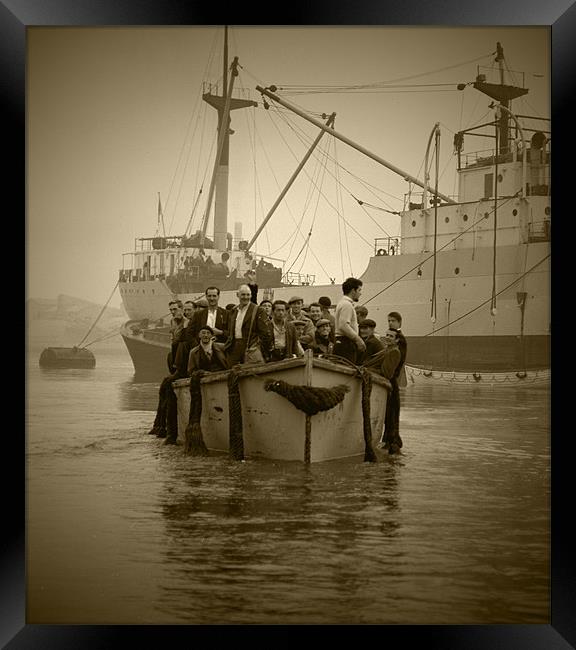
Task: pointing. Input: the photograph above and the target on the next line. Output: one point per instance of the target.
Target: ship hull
(462, 330)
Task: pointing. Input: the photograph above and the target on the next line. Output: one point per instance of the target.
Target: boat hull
(272, 427)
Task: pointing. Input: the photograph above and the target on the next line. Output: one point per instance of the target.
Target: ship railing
(298, 279)
(413, 200)
(387, 246)
(209, 88)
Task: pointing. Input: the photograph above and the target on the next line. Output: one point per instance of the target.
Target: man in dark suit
(248, 326)
(213, 316)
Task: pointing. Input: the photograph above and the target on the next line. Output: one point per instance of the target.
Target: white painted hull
(273, 428)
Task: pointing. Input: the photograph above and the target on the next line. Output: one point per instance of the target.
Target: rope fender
(193, 439)
(310, 399)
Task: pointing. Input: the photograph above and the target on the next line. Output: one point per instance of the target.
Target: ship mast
(219, 183)
(502, 93)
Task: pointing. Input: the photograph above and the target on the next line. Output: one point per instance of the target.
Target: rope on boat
(236, 441)
(193, 439)
(310, 399)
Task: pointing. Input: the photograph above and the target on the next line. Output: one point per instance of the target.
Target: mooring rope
(193, 439)
(236, 441)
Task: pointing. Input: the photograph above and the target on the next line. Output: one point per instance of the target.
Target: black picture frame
(15, 17)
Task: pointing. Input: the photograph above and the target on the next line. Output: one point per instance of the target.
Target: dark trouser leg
(346, 348)
(171, 417)
(236, 352)
(392, 440)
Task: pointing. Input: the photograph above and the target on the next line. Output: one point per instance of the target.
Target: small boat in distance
(469, 273)
(273, 427)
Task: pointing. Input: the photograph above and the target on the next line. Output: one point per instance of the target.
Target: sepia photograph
(288, 320)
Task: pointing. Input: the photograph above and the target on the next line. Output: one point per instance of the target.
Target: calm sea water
(121, 529)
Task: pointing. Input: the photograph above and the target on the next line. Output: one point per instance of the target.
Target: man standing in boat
(248, 327)
(296, 314)
(349, 343)
(285, 344)
(367, 328)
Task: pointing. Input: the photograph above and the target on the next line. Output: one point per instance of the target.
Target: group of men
(205, 336)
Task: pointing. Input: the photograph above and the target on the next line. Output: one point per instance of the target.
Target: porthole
(419, 273)
(486, 215)
(514, 212)
(500, 178)
(457, 270)
(413, 224)
(465, 217)
(447, 219)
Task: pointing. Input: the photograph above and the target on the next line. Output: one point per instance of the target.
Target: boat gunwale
(248, 370)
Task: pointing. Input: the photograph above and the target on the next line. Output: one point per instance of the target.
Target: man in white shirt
(349, 344)
(249, 325)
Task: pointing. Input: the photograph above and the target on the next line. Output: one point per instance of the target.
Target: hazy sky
(114, 117)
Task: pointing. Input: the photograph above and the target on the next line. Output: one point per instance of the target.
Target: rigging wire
(99, 315)
(471, 311)
(406, 78)
(329, 203)
(193, 117)
(451, 241)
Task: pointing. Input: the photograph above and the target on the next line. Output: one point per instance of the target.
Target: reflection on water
(122, 529)
(136, 395)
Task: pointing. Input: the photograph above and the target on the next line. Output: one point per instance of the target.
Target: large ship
(469, 273)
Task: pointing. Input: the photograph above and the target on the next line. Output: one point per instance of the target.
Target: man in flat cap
(374, 345)
(208, 354)
(322, 344)
(295, 313)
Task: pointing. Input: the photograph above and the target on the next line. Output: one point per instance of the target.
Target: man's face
(212, 297)
(279, 313)
(356, 293)
(205, 336)
(296, 307)
(315, 312)
(365, 332)
(176, 311)
(299, 330)
(244, 295)
(393, 322)
(390, 337)
(361, 313)
(188, 309)
(324, 331)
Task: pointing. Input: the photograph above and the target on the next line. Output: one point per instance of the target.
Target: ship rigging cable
(99, 315)
(471, 311)
(330, 204)
(417, 266)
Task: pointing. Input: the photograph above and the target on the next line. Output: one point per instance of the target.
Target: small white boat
(272, 427)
